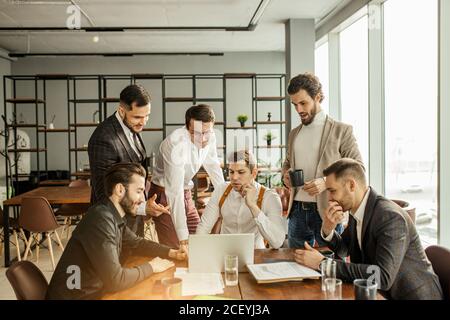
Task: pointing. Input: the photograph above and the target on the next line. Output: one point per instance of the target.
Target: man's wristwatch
(184, 242)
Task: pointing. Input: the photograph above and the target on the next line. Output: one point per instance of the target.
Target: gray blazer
(337, 142)
(389, 241)
(108, 145)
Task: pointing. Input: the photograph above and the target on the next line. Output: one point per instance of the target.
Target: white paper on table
(200, 283)
(281, 270)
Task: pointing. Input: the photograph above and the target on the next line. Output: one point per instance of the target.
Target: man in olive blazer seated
(380, 239)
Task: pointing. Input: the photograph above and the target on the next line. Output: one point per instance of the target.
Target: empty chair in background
(36, 216)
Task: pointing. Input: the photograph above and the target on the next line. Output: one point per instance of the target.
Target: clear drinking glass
(333, 289)
(328, 270)
(365, 289)
(231, 270)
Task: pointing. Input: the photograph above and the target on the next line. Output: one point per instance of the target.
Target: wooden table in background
(248, 288)
(55, 196)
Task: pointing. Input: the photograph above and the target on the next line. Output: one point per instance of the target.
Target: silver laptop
(207, 251)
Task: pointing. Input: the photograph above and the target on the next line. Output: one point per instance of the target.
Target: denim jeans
(305, 224)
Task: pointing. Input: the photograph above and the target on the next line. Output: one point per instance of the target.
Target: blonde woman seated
(244, 206)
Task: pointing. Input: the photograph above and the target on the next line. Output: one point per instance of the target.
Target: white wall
(238, 94)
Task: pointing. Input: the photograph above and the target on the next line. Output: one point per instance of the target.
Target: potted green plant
(242, 118)
(269, 136)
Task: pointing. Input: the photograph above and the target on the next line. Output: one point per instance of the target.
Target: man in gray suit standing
(312, 146)
(380, 239)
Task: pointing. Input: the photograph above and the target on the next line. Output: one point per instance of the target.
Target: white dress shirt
(237, 217)
(306, 153)
(177, 162)
(358, 216)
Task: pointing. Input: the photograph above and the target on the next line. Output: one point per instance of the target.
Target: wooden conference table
(55, 195)
(247, 289)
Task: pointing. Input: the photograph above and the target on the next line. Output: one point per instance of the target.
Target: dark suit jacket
(391, 243)
(108, 145)
(95, 247)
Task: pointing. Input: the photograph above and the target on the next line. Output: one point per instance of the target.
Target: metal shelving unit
(38, 100)
(104, 98)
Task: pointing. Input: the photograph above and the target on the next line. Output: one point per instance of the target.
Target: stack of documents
(281, 271)
(199, 283)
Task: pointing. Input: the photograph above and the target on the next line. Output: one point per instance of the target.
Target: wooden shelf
(107, 99)
(239, 75)
(209, 99)
(21, 175)
(25, 125)
(55, 130)
(25, 100)
(270, 122)
(147, 75)
(84, 124)
(190, 99)
(110, 100)
(153, 129)
(54, 76)
(178, 99)
(86, 174)
(243, 128)
(269, 98)
(271, 147)
(27, 150)
(81, 149)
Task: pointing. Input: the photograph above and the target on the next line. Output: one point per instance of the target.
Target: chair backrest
(36, 215)
(440, 260)
(27, 281)
(79, 183)
(411, 211)
(284, 196)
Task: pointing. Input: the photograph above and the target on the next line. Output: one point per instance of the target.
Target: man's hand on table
(178, 254)
(184, 247)
(308, 257)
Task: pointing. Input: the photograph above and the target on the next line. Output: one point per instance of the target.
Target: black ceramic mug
(296, 177)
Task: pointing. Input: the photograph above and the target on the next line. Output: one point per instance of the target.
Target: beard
(310, 117)
(128, 205)
(128, 124)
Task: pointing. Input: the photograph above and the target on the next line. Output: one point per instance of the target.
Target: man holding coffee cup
(312, 146)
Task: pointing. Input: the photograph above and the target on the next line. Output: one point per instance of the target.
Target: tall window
(355, 83)
(411, 73)
(321, 66)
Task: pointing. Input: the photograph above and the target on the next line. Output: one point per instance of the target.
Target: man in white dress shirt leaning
(180, 157)
(244, 206)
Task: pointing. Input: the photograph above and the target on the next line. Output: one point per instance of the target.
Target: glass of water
(333, 289)
(328, 270)
(231, 270)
